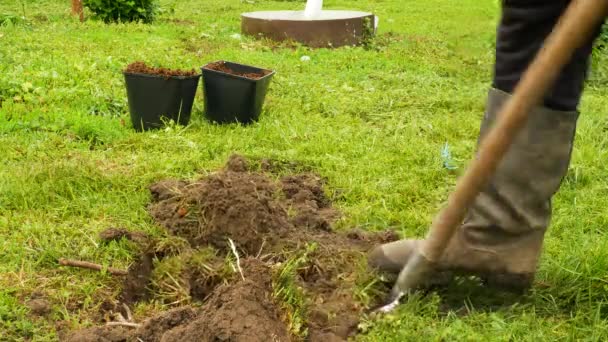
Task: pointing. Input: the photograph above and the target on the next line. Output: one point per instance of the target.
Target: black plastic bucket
(234, 99)
(154, 98)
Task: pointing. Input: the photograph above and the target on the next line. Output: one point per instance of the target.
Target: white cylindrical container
(313, 8)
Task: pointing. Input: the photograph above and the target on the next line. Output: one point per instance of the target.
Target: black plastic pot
(230, 98)
(154, 99)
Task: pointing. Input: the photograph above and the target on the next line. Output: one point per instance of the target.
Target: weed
(123, 10)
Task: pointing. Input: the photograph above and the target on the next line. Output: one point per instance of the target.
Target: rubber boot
(502, 235)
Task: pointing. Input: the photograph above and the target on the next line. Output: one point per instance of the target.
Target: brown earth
(141, 68)
(116, 234)
(135, 284)
(272, 220)
(153, 329)
(100, 334)
(241, 312)
(222, 67)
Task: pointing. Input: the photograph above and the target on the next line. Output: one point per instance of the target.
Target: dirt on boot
(274, 222)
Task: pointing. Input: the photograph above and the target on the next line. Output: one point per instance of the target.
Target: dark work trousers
(523, 27)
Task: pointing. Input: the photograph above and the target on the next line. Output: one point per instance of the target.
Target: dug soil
(141, 68)
(222, 67)
(295, 280)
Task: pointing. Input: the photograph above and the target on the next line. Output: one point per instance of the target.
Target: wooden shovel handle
(574, 29)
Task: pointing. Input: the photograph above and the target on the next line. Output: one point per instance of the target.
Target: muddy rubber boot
(502, 235)
(392, 256)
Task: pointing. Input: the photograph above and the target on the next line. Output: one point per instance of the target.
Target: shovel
(574, 29)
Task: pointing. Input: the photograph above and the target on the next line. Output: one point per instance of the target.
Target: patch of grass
(373, 120)
(14, 315)
(371, 287)
(291, 297)
(172, 246)
(186, 276)
(168, 284)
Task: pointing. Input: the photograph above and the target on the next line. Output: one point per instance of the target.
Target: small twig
(121, 321)
(91, 266)
(267, 256)
(261, 248)
(236, 254)
(123, 324)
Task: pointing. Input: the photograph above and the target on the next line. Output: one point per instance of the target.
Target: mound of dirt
(250, 208)
(233, 204)
(273, 222)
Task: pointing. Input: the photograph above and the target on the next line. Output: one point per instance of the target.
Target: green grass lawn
(372, 120)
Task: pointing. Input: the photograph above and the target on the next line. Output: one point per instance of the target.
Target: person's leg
(522, 30)
(502, 235)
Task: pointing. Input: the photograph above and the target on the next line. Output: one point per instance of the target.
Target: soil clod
(116, 234)
(39, 306)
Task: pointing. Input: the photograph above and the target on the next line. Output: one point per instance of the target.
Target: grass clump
(189, 276)
(172, 246)
(168, 284)
(289, 294)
